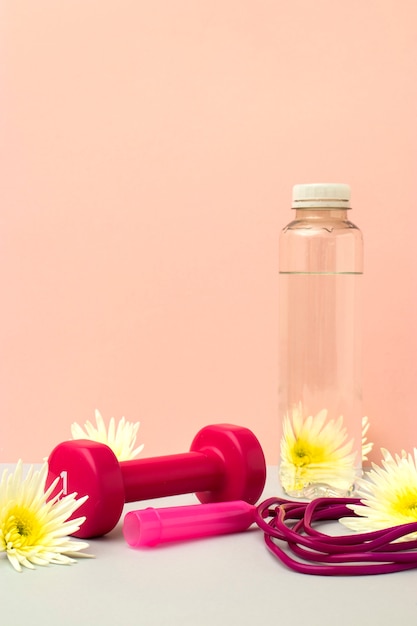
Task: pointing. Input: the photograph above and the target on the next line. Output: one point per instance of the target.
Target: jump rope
(290, 533)
(375, 552)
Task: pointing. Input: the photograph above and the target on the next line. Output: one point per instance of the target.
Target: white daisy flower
(121, 440)
(388, 495)
(33, 530)
(315, 450)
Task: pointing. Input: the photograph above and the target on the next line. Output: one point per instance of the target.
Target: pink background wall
(148, 151)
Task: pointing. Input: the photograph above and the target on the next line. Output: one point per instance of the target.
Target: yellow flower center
(303, 453)
(21, 527)
(406, 503)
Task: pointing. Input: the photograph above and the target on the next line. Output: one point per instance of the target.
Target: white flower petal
(388, 495)
(121, 440)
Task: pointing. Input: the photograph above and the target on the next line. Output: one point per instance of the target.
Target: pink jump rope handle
(148, 527)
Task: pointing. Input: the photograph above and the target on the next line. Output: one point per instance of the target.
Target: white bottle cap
(321, 196)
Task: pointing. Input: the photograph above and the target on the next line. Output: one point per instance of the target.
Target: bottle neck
(319, 213)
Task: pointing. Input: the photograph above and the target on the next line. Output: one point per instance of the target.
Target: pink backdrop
(148, 151)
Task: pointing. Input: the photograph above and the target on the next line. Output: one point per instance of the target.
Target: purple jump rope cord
(331, 555)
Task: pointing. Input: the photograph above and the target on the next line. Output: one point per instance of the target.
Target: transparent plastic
(320, 390)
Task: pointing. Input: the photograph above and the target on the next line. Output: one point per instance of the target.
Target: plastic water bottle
(320, 394)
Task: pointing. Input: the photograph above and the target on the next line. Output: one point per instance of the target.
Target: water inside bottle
(320, 383)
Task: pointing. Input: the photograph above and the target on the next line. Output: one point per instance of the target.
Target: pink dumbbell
(225, 462)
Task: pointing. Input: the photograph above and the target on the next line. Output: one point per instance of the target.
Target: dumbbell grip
(157, 477)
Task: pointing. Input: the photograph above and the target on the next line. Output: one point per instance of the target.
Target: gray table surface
(232, 579)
